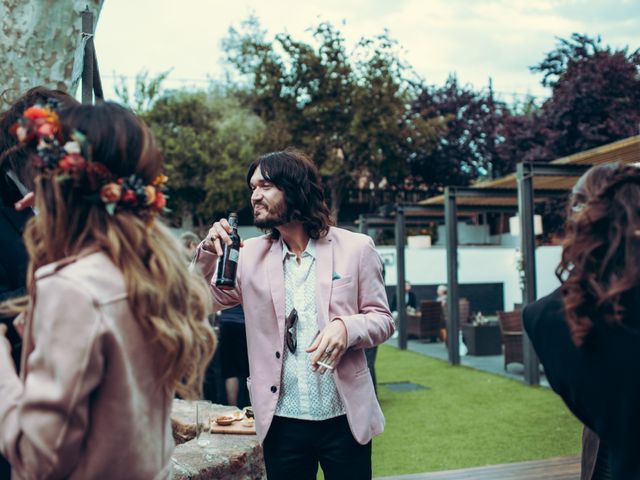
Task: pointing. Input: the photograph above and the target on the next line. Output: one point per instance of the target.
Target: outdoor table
(483, 339)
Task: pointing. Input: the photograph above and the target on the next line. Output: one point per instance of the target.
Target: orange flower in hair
(110, 193)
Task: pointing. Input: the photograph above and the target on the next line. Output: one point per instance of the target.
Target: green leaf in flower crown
(85, 147)
(63, 177)
(110, 208)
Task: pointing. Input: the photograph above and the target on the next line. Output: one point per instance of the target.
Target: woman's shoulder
(93, 274)
(548, 311)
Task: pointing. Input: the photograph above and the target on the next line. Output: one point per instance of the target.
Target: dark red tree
(595, 100)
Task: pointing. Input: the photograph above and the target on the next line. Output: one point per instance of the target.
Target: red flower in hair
(160, 202)
(129, 197)
(47, 130)
(97, 174)
(72, 162)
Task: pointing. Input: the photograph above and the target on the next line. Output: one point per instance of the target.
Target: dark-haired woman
(15, 181)
(587, 332)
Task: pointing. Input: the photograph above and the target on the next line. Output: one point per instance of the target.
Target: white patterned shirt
(304, 394)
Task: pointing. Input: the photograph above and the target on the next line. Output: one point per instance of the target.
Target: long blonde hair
(170, 304)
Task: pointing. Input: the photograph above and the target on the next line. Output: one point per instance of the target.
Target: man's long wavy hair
(170, 304)
(600, 266)
(295, 174)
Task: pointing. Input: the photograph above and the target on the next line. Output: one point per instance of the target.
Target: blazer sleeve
(205, 261)
(43, 421)
(373, 324)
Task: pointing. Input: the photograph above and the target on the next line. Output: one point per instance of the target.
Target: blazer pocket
(341, 282)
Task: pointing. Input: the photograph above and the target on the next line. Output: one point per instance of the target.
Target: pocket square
(335, 276)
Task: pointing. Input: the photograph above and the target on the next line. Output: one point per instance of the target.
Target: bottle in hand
(228, 262)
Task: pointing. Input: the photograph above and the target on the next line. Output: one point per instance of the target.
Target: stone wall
(213, 456)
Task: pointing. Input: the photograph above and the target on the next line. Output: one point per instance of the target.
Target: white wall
(477, 264)
(547, 259)
(467, 233)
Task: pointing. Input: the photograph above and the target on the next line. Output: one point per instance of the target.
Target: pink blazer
(349, 286)
(88, 403)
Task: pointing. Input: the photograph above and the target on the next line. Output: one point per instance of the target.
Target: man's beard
(274, 218)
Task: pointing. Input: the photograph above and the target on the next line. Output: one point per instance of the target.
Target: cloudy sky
(476, 39)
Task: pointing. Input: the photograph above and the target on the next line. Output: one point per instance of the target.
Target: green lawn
(466, 418)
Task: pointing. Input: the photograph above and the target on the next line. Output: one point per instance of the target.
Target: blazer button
(277, 354)
(274, 389)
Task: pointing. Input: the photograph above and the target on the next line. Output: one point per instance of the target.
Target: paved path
(561, 468)
(486, 363)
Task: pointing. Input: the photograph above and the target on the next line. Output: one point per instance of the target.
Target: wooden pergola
(517, 192)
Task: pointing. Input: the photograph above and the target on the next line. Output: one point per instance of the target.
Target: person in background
(114, 322)
(314, 299)
(409, 298)
(189, 241)
(441, 294)
(587, 332)
(233, 352)
(16, 180)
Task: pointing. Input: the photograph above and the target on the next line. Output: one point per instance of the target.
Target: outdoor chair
(511, 330)
(427, 325)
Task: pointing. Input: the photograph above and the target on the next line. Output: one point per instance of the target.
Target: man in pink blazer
(314, 298)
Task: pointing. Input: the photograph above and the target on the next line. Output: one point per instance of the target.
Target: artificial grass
(466, 418)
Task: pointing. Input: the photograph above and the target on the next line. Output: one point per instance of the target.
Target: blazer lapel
(276, 282)
(324, 274)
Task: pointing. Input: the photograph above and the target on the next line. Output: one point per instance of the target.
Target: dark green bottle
(228, 262)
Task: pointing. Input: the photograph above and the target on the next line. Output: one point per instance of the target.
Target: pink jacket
(349, 286)
(87, 404)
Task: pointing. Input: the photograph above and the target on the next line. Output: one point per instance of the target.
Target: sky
(475, 39)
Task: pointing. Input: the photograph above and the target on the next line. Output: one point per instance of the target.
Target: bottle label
(234, 255)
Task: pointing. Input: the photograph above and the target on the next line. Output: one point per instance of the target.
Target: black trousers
(293, 448)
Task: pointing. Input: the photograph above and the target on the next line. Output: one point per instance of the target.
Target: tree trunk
(336, 190)
(38, 40)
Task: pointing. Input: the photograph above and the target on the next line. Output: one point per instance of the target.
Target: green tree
(145, 90)
(208, 140)
(349, 110)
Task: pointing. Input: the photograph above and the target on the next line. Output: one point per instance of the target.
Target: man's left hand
(329, 345)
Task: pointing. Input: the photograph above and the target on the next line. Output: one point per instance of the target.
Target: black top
(13, 266)
(599, 382)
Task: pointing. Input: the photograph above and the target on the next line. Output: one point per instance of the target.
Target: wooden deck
(561, 468)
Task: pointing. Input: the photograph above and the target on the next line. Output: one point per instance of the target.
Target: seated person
(409, 298)
(441, 294)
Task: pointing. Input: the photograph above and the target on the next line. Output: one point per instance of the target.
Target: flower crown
(70, 160)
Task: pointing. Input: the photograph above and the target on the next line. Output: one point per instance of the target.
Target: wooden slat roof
(623, 151)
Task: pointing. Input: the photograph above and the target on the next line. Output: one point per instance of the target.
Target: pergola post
(451, 222)
(528, 252)
(87, 65)
(400, 301)
(91, 82)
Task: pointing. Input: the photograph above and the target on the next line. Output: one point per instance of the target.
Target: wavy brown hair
(170, 304)
(295, 174)
(600, 266)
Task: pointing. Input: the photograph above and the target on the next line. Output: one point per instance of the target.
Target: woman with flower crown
(115, 325)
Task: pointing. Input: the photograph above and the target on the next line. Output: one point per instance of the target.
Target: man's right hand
(218, 233)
